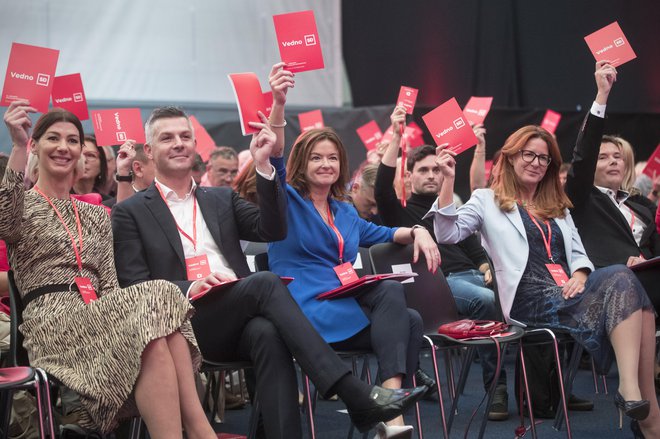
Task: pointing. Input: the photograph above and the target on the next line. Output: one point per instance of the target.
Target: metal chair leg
(439, 385)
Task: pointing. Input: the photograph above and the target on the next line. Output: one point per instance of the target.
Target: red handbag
(466, 328)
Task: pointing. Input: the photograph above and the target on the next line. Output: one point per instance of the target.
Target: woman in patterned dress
(543, 273)
(130, 350)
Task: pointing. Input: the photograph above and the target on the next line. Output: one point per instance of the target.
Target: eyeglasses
(529, 156)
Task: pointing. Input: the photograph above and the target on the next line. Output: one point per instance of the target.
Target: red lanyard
(193, 240)
(403, 174)
(547, 241)
(331, 223)
(77, 249)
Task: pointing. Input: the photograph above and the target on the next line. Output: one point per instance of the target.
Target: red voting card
(407, 98)
(653, 164)
(114, 127)
(268, 99)
(609, 43)
(30, 74)
(224, 285)
(68, 93)
(205, 143)
(447, 125)
(476, 109)
(551, 120)
(310, 120)
(413, 135)
(249, 98)
(298, 41)
(370, 134)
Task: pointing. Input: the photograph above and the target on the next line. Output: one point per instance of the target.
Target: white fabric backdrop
(171, 51)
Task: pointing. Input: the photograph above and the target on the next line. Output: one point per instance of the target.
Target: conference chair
(430, 295)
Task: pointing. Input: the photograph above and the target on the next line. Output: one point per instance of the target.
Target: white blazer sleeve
(452, 226)
(578, 258)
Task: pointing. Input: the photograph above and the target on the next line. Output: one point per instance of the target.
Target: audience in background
(95, 172)
(361, 194)
(222, 166)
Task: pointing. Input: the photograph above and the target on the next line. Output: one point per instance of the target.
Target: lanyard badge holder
(345, 271)
(556, 270)
(84, 284)
(197, 267)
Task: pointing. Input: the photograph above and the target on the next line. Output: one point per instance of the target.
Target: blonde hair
(550, 200)
(628, 160)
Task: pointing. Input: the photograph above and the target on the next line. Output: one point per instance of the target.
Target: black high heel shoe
(636, 430)
(387, 404)
(637, 410)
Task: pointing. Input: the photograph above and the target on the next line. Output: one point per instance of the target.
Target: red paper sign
(30, 74)
(551, 120)
(298, 41)
(447, 124)
(407, 98)
(609, 43)
(476, 109)
(205, 143)
(114, 127)
(413, 135)
(310, 120)
(68, 93)
(249, 98)
(653, 164)
(268, 99)
(370, 134)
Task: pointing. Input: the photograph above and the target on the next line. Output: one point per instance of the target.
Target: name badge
(346, 273)
(197, 267)
(557, 273)
(86, 289)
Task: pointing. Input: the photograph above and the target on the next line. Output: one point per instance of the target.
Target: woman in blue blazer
(324, 233)
(544, 276)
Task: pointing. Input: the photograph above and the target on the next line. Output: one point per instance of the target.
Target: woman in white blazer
(544, 276)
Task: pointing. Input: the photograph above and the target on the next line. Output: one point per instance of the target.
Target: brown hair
(299, 158)
(245, 182)
(53, 116)
(549, 199)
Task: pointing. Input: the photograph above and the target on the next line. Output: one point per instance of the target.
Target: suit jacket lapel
(208, 207)
(163, 217)
(514, 217)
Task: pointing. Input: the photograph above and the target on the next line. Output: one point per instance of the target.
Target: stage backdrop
(525, 53)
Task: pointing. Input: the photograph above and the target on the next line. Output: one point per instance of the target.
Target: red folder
(653, 163)
(550, 121)
(205, 143)
(476, 109)
(298, 41)
(68, 93)
(407, 98)
(224, 285)
(354, 288)
(447, 124)
(650, 263)
(310, 120)
(249, 99)
(370, 134)
(609, 43)
(30, 74)
(114, 127)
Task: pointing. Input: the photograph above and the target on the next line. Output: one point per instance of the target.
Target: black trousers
(395, 333)
(257, 319)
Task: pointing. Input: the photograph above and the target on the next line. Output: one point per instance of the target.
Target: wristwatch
(124, 178)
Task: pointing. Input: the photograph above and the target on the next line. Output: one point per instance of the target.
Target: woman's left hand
(424, 242)
(574, 286)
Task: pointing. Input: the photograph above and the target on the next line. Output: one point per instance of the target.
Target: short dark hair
(3, 164)
(167, 112)
(199, 165)
(419, 154)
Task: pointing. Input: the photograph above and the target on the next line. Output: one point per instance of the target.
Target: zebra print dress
(93, 349)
